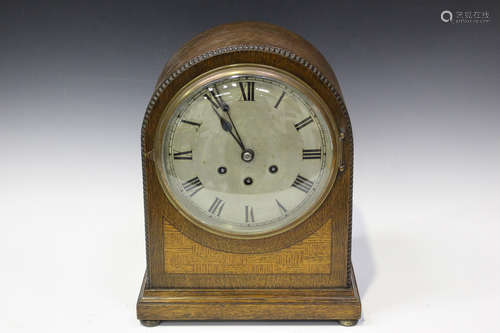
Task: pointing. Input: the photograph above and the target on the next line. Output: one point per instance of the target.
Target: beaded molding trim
(230, 49)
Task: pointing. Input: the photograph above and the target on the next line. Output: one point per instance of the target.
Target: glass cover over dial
(246, 152)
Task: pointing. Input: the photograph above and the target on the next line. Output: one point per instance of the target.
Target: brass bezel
(241, 70)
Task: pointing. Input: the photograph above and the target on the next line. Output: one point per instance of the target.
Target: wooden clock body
(301, 274)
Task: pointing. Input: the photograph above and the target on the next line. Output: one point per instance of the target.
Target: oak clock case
(247, 165)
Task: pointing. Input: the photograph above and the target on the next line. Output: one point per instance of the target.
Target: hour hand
(225, 107)
(215, 99)
(219, 100)
(226, 126)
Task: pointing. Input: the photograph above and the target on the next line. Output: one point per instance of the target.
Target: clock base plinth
(341, 304)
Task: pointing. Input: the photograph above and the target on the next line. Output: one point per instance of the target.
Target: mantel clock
(247, 164)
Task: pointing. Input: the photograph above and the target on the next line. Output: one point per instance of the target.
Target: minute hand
(225, 107)
(235, 130)
(226, 126)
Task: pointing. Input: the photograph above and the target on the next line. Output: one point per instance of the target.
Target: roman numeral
(250, 91)
(249, 214)
(281, 207)
(303, 123)
(191, 123)
(214, 99)
(183, 155)
(279, 100)
(207, 97)
(302, 184)
(193, 185)
(216, 207)
(311, 154)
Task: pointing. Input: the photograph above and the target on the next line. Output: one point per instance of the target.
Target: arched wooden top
(248, 33)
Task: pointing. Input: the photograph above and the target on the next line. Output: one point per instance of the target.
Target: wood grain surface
(310, 256)
(250, 304)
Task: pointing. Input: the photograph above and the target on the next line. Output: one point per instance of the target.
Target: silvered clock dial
(246, 151)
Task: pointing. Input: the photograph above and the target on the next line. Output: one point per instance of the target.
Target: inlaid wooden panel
(310, 256)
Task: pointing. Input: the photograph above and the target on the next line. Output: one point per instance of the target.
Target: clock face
(246, 152)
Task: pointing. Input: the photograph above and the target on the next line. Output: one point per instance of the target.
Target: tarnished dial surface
(246, 155)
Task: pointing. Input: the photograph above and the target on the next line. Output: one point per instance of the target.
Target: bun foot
(150, 323)
(348, 322)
